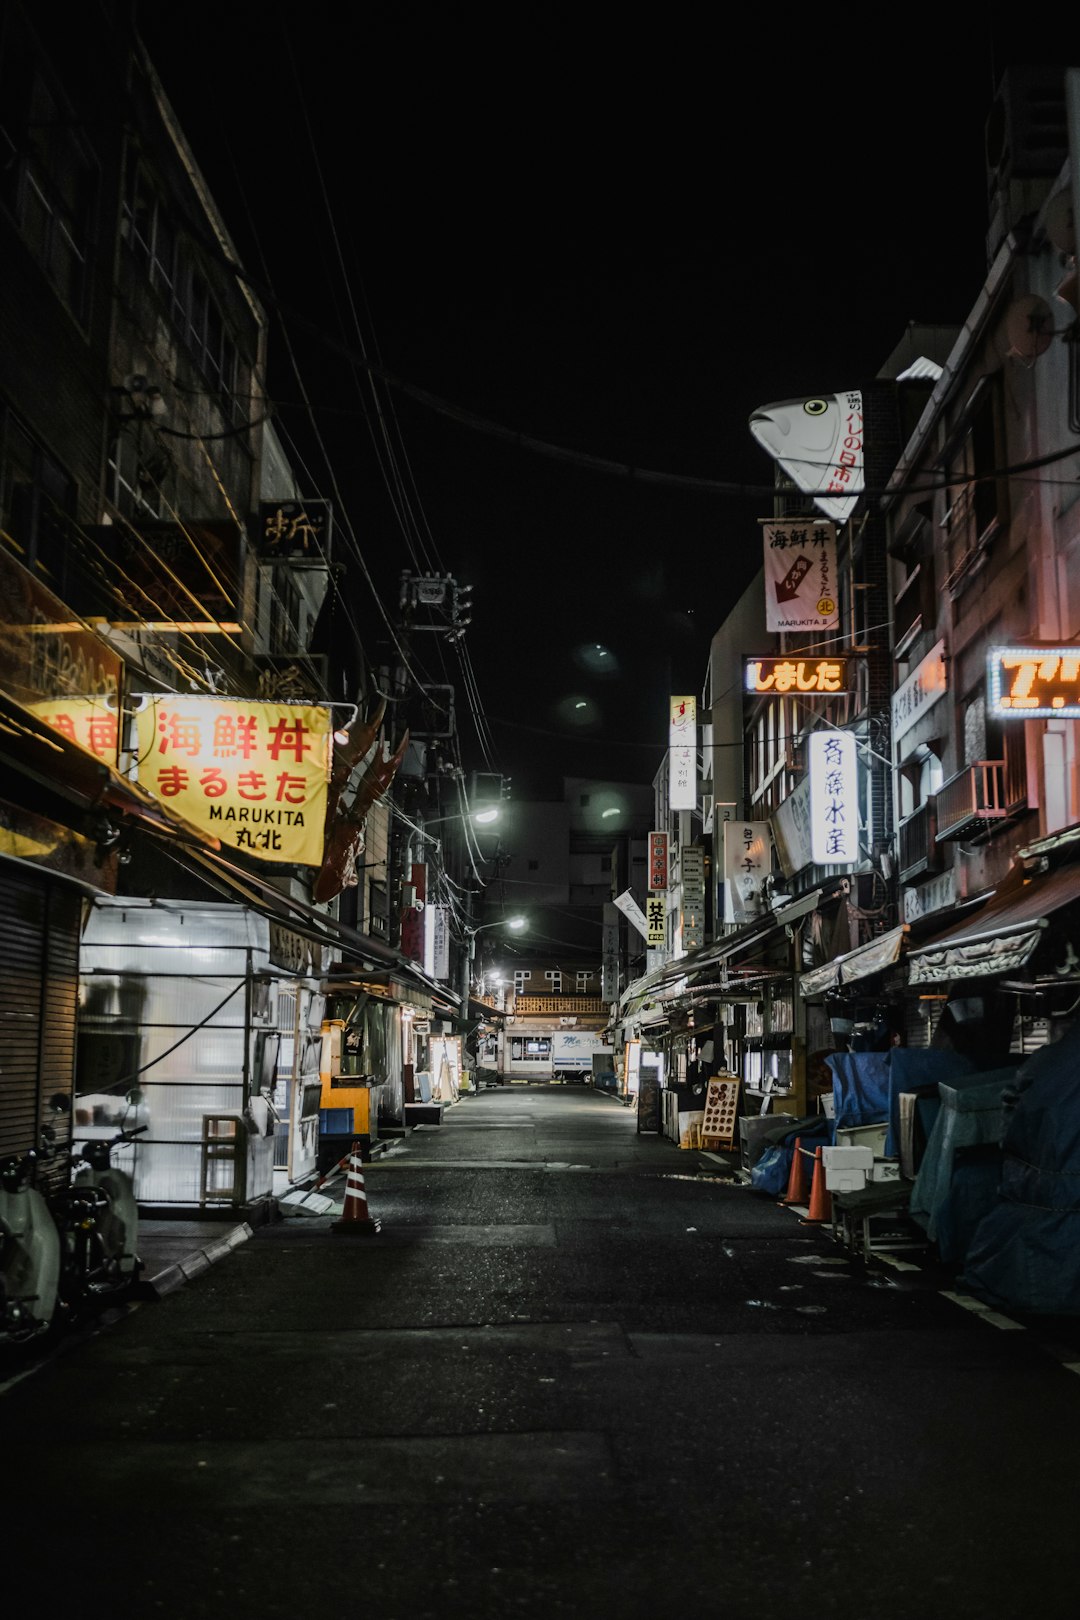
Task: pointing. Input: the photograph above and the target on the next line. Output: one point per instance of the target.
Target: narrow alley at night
(539, 815)
(577, 1372)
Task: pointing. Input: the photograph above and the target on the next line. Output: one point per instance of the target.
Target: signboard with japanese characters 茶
(656, 920)
(253, 775)
(834, 805)
(747, 863)
(658, 861)
(800, 576)
(682, 754)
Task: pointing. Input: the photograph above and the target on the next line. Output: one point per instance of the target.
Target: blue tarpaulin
(771, 1172)
(860, 1087)
(911, 1067)
(943, 1202)
(1025, 1253)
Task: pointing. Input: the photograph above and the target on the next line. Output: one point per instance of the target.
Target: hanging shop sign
(55, 666)
(834, 809)
(791, 829)
(294, 529)
(609, 960)
(693, 897)
(1034, 682)
(656, 920)
(658, 861)
(810, 677)
(436, 942)
(819, 444)
(631, 910)
(682, 754)
(921, 690)
(413, 906)
(253, 775)
(747, 862)
(800, 577)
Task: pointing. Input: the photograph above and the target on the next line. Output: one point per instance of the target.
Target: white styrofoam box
(846, 1168)
(845, 1180)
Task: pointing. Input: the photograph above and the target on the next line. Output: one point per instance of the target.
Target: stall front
(199, 1025)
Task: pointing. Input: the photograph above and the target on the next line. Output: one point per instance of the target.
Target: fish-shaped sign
(819, 444)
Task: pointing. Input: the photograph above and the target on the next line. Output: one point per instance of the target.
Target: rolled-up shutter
(39, 971)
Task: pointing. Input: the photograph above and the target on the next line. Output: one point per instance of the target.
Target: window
(51, 185)
(583, 977)
(521, 978)
(554, 978)
(534, 866)
(37, 503)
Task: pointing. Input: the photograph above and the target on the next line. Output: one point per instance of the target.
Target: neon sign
(1034, 683)
(812, 677)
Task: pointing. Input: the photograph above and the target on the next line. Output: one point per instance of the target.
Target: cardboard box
(885, 1170)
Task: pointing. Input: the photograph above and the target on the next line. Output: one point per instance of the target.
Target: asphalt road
(578, 1373)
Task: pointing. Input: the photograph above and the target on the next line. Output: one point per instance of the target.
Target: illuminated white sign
(682, 753)
(834, 807)
(747, 863)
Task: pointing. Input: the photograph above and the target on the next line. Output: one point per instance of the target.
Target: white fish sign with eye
(819, 444)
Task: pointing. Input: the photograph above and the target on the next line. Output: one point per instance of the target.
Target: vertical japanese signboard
(693, 897)
(656, 920)
(682, 753)
(834, 808)
(412, 915)
(436, 943)
(800, 576)
(253, 775)
(658, 861)
(747, 863)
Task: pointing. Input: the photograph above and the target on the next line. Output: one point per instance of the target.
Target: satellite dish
(1027, 328)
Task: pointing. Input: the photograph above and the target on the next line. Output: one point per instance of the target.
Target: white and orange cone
(356, 1219)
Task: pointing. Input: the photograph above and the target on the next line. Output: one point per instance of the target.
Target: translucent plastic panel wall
(173, 984)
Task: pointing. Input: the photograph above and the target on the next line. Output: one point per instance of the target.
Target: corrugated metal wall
(39, 961)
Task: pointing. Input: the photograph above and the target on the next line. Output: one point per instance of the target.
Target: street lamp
(467, 956)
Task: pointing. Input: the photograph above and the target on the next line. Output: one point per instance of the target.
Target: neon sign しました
(1034, 682)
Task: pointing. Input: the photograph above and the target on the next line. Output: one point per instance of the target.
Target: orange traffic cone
(356, 1219)
(820, 1197)
(796, 1187)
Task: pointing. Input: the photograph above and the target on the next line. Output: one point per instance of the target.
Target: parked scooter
(99, 1221)
(29, 1252)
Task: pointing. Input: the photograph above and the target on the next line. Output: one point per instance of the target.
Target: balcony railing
(918, 842)
(559, 1004)
(974, 796)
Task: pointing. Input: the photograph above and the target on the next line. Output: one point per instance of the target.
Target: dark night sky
(618, 242)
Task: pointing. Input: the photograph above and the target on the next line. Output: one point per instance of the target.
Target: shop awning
(858, 964)
(1005, 933)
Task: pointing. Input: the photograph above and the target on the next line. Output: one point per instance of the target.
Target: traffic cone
(820, 1197)
(796, 1187)
(356, 1219)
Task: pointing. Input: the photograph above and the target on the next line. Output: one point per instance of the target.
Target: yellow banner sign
(90, 722)
(253, 775)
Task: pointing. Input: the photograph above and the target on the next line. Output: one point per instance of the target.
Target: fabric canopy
(1003, 936)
